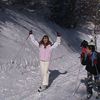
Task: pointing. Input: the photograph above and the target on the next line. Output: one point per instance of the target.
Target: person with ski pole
(92, 67)
(45, 49)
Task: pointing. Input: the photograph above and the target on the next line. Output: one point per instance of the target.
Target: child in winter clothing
(90, 59)
(92, 67)
(45, 50)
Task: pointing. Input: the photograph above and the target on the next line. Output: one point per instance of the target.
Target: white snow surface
(20, 80)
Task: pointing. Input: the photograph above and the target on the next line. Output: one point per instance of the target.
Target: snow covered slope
(20, 81)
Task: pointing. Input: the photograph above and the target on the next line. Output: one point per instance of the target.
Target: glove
(58, 34)
(30, 32)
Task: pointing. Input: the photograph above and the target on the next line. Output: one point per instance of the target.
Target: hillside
(20, 80)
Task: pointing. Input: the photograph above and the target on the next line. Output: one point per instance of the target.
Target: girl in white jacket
(45, 49)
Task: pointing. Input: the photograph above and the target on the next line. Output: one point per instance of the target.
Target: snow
(20, 80)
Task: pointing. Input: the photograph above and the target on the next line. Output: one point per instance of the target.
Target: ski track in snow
(20, 81)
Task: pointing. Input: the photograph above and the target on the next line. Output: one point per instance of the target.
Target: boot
(89, 95)
(42, 88)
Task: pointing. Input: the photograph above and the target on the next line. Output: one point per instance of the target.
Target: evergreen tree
(63, 12)
(86, 9)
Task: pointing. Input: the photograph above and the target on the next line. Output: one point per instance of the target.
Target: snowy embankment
(20, 81)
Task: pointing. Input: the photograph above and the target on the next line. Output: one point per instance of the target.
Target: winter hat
(91, 42)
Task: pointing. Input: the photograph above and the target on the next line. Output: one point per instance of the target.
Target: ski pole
(13, 61)
(77, 78)
(76, 89)
(19, 50)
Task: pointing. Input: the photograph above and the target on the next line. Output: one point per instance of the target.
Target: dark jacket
(92, 65)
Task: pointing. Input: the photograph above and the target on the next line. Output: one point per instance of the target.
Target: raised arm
(33, 39)
(58, 41)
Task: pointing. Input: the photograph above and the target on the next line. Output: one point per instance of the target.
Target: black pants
(89, 85)
(96, 82)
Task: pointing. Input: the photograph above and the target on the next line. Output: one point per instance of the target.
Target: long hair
(48, 42)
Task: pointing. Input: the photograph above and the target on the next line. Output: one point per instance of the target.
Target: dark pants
(97, 81)
(89, 86)
(89, 82)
